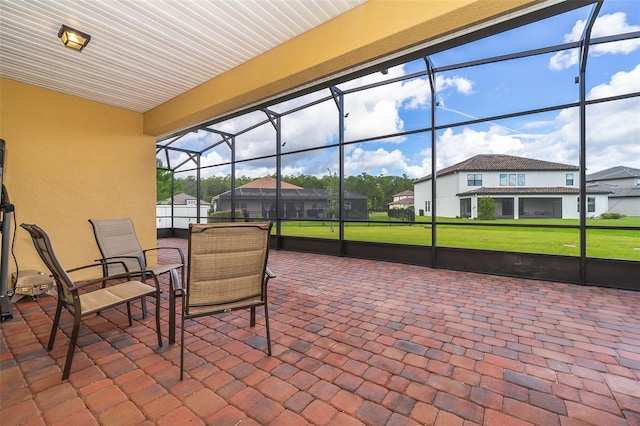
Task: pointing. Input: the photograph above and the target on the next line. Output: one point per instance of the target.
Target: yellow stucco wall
(69, 159)
(372, 30)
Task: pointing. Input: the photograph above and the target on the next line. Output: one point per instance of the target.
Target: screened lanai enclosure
(496, 132)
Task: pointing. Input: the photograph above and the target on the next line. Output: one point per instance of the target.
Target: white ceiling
(144, 52)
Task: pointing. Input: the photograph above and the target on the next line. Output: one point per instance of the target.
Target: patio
(355, 342)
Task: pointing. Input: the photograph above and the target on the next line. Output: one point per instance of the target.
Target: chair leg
(266, 323)
(72, 347)
(173, 288)
(129, 313)
(54, 327)
(143, 303)
(158, 320)
(143, 300)
(252, 322)
(182, 347)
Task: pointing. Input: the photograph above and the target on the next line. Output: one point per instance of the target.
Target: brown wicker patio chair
(90, 300)
(227, 270)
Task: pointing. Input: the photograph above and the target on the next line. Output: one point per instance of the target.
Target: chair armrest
(79, 268)
(86, 282)
(93, 265)
(177, 289)
(267, 276)
(108, 260)
(269, 273)
(178, 249)
(102, 279)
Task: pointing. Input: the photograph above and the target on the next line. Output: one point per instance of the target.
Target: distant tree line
(379, 190)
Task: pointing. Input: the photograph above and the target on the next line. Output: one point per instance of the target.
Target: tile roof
(500, 162)
(618, 172)
(269, 182)
(286, 193)
(266, 188)
(617, 191)
(407, 201)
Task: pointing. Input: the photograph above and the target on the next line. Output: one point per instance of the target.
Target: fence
(182, 216)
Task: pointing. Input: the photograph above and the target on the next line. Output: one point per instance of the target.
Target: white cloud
(254, 172)
(614, 23)
(370, 113)
(394, 162)
(461, 84)
(375, 111)
(612, 134)
(613, 131)
(613, 128)
(363, 160)
(367, 119)
(455, 147)
(563, 60)
(418, 170)
(621, 82)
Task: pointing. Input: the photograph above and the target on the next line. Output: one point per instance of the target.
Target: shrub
(225, 216)
(611, 215)
(403, 214)
(486, 208)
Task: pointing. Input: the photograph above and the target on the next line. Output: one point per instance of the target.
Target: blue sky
(613, 132)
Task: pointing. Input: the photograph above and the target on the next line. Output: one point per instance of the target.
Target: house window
(511, 179)
(569, 179)
(427, 206)
(191, 202)
(591, 204)
(474, 180)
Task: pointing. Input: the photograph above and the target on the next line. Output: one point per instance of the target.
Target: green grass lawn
(601, 243)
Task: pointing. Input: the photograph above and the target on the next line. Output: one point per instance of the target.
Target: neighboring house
(401, 200)
(623, 183)
(257, 199)
(522, 188)
(184, 211)
(183, 199)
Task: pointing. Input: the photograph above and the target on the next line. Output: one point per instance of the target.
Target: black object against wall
(6, 208)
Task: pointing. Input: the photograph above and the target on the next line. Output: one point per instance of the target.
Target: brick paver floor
(354, 342)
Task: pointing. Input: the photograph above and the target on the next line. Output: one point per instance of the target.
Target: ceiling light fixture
(73, 39)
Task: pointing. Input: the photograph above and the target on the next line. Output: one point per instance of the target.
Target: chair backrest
(41, 240)
(227, 263)
(116, 238)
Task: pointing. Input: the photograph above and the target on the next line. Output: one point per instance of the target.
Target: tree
(163, 182)
(378, 189)
(333, 195)
(304, 181)
(214, 185)
(368, 185)
(487, 208)
(189, 186)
